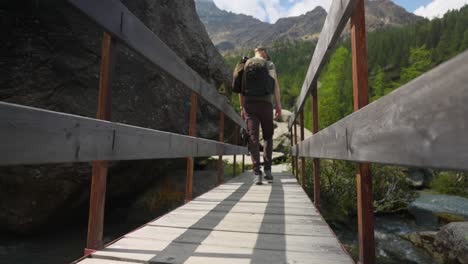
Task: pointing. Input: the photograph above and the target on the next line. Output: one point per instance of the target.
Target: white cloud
(271, 10)
(248, 7)
(437, 8)
(302, 7)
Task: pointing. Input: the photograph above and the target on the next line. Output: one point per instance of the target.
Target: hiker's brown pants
(260, 113)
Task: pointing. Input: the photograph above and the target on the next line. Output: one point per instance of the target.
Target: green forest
(395, 57)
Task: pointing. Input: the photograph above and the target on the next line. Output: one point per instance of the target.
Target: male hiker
(256, 82)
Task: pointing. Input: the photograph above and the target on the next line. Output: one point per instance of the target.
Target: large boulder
(50, 59)
(449, 245)
(452, 243)
(281, 136)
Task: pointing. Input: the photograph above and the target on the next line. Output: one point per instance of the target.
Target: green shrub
(391, 189)
(453, 183)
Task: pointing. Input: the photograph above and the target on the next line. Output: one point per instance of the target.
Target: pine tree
(378, 84)
(464, 44)
(334, 92)
(420, 62)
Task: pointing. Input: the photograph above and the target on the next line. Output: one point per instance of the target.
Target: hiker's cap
(260, 48)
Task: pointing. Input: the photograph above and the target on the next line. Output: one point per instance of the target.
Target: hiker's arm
(242, 103)
(277, 99)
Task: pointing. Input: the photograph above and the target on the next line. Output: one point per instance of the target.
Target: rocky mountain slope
(50, 59)
(230, 31)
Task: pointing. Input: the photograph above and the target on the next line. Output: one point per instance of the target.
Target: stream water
(391, 248)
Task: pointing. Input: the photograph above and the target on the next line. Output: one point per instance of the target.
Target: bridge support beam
(99, 170)
(192, 132)
(315, 129)
(302, 159)
(220, 159)
(361, 99)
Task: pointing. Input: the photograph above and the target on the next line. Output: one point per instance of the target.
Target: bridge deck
(237, 222)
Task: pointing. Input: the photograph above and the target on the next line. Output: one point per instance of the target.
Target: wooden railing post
(302, 159)
(314, 131)
(221, 139)
(361, 98)
(291, 133)
(296, 158)
(99, 168)
(236, 142)
(192, 132)
(243, 163)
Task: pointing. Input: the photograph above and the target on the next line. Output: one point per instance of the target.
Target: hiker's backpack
(238, 73)
(256, 80)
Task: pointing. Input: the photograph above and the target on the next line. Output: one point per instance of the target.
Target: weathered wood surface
(237, 222)
(115, 18)
(423, 124)
(338, 15)
(97, 198)
(33, 136)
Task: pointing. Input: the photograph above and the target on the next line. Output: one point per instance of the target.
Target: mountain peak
(230, 31)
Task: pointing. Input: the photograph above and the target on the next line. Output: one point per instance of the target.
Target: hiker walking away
(257, 84)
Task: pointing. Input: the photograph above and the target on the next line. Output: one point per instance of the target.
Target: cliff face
(50, 59)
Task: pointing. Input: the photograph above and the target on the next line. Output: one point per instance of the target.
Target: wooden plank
(115, 18)
(237, 239)
(214, 235)
(421, 124)
(33, 136)
(146, 251)
(338, 15)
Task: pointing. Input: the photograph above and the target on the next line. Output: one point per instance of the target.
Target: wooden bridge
(423, 124)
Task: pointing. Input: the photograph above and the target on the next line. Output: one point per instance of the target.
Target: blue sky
(412, 5)
(271, 10)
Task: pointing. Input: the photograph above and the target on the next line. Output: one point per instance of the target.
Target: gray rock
(452, 242)
(281, 136)
(419, 178)
(424, 240)
(50, 59)
(449, 245)
(427, 207)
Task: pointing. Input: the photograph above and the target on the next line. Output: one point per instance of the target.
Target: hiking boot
(258, 178)
(268, 175)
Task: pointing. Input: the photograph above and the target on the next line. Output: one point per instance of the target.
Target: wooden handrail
(116, 19)
(338, 15)
(34, 136)
(421, 124)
